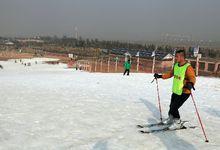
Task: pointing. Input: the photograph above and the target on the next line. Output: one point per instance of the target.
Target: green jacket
(127, 65)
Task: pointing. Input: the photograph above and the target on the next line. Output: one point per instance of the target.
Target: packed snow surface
(50, 107)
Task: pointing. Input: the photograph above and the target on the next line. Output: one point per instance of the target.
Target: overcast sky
(111, 19)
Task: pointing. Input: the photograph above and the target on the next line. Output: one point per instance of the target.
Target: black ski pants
(127, 70)
(176, 102)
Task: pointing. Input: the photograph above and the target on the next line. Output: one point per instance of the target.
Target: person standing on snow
(183, 81)
(127, 67)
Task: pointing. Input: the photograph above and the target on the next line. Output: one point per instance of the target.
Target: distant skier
(183, 81)
(127, 67)
(1, 67)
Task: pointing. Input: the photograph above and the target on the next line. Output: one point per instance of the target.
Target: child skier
(127, 67)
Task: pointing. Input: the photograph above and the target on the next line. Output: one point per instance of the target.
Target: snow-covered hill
(50, 107)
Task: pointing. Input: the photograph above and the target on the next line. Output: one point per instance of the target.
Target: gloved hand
(189, 85)
(156, 75)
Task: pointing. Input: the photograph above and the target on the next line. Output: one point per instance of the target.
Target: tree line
(80, 43)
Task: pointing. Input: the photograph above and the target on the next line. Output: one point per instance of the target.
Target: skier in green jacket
(127, 66)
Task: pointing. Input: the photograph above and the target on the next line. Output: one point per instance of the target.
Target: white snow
(50, 107)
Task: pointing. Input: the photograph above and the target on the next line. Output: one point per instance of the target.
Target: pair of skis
(161, 127)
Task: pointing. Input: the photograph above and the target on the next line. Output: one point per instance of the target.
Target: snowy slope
(49, 107)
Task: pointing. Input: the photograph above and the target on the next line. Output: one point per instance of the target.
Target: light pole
(154, 55)
(116, 64)
(137, 55)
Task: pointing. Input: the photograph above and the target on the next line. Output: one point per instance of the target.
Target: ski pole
(158, 98)
(206, 140)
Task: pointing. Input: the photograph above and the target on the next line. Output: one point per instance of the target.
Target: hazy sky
(111, 19)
